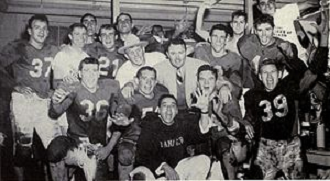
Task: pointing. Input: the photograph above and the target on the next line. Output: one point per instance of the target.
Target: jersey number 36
(280, 105)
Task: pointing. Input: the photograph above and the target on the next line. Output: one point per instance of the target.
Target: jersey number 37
(280, 104)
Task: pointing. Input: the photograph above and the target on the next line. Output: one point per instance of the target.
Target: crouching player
(271, 110)
(65, 155)
(87, 104)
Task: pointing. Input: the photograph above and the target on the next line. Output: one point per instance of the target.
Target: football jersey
(144, 104)
(250, 48)
(272, 113)
(109, 61)
(87, 112)
(30, 67)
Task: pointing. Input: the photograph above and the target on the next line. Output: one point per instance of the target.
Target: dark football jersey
(30, 66)
(87, 112)
(140, 106)
(144, 104)
(272, 113)
(109, 61)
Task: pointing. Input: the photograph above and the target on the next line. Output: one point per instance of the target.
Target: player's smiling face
(107, 37)
(78, 37)
(90, 23)
(89, 75)
(38, 32)
(147, 82)
(267, 7)
(238, 25)
(206, 81)
(136, 55)
(265, 32)
(168, 110)
(269, 75)
(124, 24)
(218, 40)
(177, 55)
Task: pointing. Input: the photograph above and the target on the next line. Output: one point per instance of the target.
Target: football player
(144, 100)
(90, 21)
(87, 104)
(224, 124)
(271, 117)
(106, 52)
(66, 62)
(26, 70)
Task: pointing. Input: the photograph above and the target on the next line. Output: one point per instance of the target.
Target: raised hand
(121, 119)
(202, 100)
(209, 3)
(59, 95)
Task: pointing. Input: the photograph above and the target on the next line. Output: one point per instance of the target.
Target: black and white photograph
(142, 90)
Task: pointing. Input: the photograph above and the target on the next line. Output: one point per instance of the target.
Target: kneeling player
(272, 111)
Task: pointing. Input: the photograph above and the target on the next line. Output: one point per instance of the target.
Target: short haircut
(139, 72)
(85, 15)
(207, 68)
(221, 27)
(264, 18)
(158, 27)
(176, 41)
(59, 147)
(107, 27)
(122, 14)
(76, 25)
(39, 17)
(88, 60)
(239, 13)
(279, 66)
(258, 1)
(164, 96)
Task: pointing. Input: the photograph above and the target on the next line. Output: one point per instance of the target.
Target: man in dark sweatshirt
(164, 138)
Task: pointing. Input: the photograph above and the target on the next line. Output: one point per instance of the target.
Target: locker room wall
(61, 13)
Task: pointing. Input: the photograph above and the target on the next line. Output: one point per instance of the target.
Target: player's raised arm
(60, 102)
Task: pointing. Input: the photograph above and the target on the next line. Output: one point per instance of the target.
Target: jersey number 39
(280, 105)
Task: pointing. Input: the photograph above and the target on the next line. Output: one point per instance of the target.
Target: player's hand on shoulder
(59, 95)
(225, 94)
(121, 119)
(72, 78)
(26, 91)
(128, 91)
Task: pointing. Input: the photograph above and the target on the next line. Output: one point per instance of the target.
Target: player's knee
(23, 155)
(126, 157)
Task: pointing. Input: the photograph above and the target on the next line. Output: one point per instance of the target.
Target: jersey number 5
(280, 104)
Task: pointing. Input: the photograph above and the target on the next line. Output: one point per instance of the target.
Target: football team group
(114, 102)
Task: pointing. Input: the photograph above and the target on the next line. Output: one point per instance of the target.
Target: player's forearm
(204, 123)
(57, 109)
(113, 140)
(307, 4)
(199, 22)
